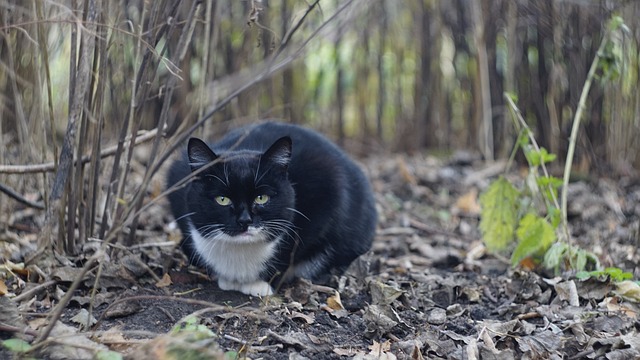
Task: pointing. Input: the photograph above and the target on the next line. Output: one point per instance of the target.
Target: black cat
(271, 202)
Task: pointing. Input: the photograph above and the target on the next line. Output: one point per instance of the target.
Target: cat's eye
(223, 200)
(261, 199)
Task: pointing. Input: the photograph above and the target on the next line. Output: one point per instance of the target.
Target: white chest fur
(238, 261)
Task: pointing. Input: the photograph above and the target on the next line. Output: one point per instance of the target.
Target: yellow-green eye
(223, 200)
(261, 199)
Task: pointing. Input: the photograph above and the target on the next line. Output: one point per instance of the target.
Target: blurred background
(377, 76)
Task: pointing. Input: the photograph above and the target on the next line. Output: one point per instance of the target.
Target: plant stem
(576, 126)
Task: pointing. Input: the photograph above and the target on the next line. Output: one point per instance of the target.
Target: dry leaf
(378, 348)
(613, 305)
(568, 292)
(629, 290)
(380, 351)
(75, 346)
(416, 354)
(309, 319)
(3, 288)
(468, 203)
(165, 281)
(347, 351)
(84, 319)
(334, 302)
(383, 294)
(404, 171)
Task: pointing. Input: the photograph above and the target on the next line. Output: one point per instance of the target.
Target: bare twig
(51, 166)
(31, 292)
(19, 198)
(183, 44)
(18, 330)
(57, 311)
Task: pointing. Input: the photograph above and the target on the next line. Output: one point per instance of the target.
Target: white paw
(256, 288)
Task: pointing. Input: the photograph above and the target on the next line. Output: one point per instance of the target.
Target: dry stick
(31, 292)
(182, 46)
(51, 166)
(94, 167)
(19, 198)
(18, 330)
(143, 87)
(43, 45)
(57, 311)
(21, 122)
(125, 127)
(207, 45)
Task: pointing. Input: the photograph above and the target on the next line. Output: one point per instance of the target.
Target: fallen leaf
(377, 321)
(468, 203)
(378, 348)
(613, 304)
(309, 319)
(165, 281)
(334, 302)
(75, 346)
(3, 288)
(629, 290)
(416, 354)
(180, 345)
(379, 351)
(404, 171)
(347, 351)
(383, 294)
(568, 292)
(67, 273)
(84, 319)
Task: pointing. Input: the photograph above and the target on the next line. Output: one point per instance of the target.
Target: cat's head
(241, 196)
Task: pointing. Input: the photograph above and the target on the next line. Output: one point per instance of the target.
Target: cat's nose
(244, 219)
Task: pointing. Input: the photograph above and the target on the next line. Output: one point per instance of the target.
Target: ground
(428, 288)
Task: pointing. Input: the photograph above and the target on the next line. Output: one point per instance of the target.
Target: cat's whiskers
(257, 181)
(299, 213)
(255, 174)
(281, 224)
(278, 227)
(226, 172)
(218, 178)
(184, 216)
(210, 231)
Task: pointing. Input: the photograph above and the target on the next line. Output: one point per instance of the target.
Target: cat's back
(260, 136)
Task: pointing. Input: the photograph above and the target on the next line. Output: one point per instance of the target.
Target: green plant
(16, 346)
(612, 273)
(534, 217)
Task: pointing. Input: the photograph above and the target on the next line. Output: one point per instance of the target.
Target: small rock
(437, 316)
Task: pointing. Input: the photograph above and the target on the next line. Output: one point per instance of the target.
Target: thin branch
(19, 198)
(61, 306)
(51, 166)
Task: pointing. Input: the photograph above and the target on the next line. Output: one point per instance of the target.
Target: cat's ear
(200, 154)
(280, 152)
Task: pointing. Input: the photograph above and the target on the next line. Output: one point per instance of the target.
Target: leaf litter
(428, 289)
